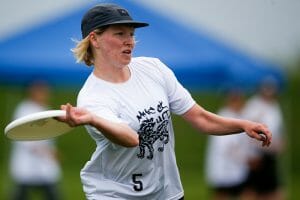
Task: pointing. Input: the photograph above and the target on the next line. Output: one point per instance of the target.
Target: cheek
(112, 45)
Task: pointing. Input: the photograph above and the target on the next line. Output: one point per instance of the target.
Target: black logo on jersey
(153, 129)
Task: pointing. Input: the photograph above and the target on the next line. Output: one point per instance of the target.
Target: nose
(129, 41)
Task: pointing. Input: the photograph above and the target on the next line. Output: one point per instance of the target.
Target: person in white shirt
(226, 166)
(126, 105)
(264, 178)
(34, 164)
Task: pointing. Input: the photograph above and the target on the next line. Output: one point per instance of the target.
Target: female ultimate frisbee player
(126, 105)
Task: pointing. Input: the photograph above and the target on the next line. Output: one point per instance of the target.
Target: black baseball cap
(106, 14)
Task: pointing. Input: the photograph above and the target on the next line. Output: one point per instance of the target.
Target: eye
(119, 33)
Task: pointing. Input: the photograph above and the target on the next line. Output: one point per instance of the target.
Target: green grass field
(76, 147)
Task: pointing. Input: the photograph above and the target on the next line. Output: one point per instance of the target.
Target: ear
(94, 40)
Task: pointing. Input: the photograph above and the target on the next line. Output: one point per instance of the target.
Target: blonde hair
(82, 51)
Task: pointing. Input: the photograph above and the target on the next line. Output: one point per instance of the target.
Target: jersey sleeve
(180, 100)
(105, 108)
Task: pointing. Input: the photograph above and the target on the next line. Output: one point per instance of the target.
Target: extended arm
(214, 124)
(118, 133)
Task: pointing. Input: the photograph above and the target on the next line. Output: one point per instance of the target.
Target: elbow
(131, 141)
(134, 142)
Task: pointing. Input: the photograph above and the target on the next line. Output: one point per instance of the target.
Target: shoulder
(145, 60)
(151, 66)
(88, 95)
(86, 89)
(148, 63)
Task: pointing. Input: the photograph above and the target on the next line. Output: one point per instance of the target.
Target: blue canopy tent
(200, 62)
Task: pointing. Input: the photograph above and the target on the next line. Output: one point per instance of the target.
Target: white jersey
(226, 159)
(144, 102)
(31, 161)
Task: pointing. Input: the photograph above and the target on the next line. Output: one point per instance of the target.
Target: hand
(258, 131)
(75, 116)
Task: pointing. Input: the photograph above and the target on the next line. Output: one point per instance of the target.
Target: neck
(112, 74)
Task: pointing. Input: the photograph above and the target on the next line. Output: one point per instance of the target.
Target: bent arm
(213, 124)
(117, 133)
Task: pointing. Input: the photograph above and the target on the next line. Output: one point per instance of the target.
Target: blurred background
(212, 46)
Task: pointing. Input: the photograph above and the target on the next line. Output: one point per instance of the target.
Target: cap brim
(134, 24)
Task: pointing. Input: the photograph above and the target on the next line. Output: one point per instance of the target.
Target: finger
(257, 136)
(63, 107)
(263, 138)
(69, 114)
(73, 121)
(68, 110)
(67, 107)
(267, 136)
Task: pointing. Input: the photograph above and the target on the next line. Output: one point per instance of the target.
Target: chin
(126, 62)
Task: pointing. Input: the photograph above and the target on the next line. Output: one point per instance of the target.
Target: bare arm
(214, 124)
(118, 133)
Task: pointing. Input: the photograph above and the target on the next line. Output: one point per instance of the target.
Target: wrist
(244, 125)
(91, 120)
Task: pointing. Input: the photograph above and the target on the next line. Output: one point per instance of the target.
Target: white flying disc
(37, 126)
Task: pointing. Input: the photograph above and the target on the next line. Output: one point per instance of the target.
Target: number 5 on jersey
(138, 184)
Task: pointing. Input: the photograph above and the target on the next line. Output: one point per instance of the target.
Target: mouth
(128, 52)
